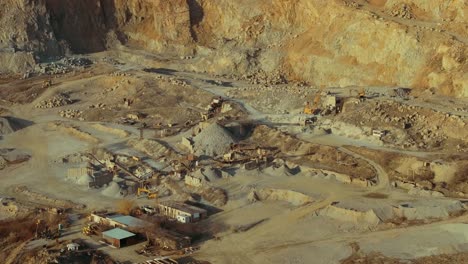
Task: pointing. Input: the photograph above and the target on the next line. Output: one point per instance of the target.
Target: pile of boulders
(351, 3)
(3, 163)
(119, 74)
(76, 62)
(265, 78)
(177, 82)
(72, 114)
(56, 101)
(172, 80)
(412, 127)
(402, 11)
(63, 66)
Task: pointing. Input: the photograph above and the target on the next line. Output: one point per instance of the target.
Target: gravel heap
(8, 125)
(213, 141)
(112, 190)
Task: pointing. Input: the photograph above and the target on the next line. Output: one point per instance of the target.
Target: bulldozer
(150, 194)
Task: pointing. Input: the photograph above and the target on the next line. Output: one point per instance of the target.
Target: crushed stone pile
(213, 141)
(14, 155)
(366, 218)
(3, 163)
(84, 180)
(8, 125)
(209, 174)
(283, 170)
(266, 194)
(112, 190)
(440, 210)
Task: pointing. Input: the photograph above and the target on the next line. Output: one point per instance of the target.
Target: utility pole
(141, 128)
(37, 226)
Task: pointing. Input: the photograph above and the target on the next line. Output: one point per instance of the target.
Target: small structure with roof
(119, 238)
(73, 247)
(182, 212)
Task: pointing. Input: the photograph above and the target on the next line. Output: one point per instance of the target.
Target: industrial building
(119, 238)
(117, 220)
(182, 212)
(88, 172)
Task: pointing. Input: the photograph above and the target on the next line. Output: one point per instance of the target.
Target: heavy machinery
(206, 116)
(90, 229)
(213, 108)
(47, 83)
(312, 110)
(150, 194)
(362, 94)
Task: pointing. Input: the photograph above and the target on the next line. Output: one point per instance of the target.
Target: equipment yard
(328, 183)
(124, 155)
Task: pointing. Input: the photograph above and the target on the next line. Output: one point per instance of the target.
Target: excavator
(311, 110)
(150, 194)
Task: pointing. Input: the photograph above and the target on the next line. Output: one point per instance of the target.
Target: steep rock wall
(332, 43)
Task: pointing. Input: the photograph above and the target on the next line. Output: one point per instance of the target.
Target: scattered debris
(56, 101)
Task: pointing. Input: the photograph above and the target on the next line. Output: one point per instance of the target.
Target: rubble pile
(275, 99)
(422, 128)
(402, 11)
(119, 74)
(265, 78)
(351, 3)
(63, 66)
(72, 114)
(3, 163)
(178, 82)
(295, 90)
(56, 101)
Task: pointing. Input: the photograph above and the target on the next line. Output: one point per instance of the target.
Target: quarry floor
(286, 232)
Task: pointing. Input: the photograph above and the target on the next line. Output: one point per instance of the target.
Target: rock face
(332, 43)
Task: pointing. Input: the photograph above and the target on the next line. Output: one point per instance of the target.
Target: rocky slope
(420, 44)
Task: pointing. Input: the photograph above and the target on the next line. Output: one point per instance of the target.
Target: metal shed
(128, 221)
(118, 237)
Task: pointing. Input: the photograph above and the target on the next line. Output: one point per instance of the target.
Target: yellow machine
(310, 110)
(90, 229)
(47, 83)
(150, 195)
(307, 109)
(362, 94)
